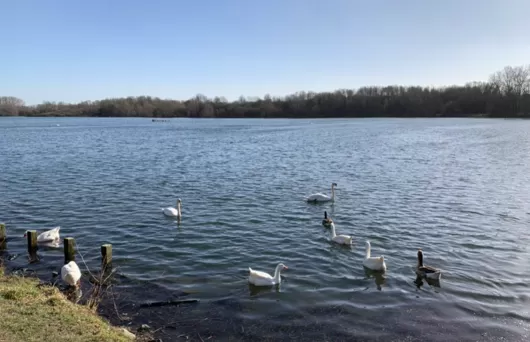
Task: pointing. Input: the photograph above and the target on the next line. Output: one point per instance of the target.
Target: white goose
(48, 237)
(373, 263)
(340, 239)
(320, 197)
(71, 274)
(259, 278)
(172, 212)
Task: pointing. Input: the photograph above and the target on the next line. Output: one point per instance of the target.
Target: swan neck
(333, 192)
(333, 233)
(178, 207)
(368, 250)
(277, 274)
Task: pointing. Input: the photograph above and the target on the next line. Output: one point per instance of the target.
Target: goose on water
(260, 278)
(426, 271)
(327, 221)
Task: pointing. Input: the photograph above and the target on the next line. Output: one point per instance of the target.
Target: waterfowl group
(373, 263)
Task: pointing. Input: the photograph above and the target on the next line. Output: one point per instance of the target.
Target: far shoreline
(469, 116)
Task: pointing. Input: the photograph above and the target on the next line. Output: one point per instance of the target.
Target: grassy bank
(41, 313)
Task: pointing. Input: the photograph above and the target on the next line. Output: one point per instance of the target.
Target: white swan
(373, 263)
(320, 197)
(172, 212)
(259, 278)
(340, 239)
(71, 274)
(426, 271)
(48, 237)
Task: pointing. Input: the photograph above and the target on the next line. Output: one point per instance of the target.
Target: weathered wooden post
(69, 249)
(3, 237)
(32, 245)
(106, 256)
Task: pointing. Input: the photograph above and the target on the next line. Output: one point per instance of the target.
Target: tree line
(505, 94)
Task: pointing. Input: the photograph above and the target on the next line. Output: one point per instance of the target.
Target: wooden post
(32, 241)
(106, 256)
(69, 249)
(3, 236)
(32, 245)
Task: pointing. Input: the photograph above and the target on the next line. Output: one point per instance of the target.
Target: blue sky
(74, 50)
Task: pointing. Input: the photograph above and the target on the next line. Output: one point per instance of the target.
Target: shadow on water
(432, 282)
(256, 290)
(379, 277)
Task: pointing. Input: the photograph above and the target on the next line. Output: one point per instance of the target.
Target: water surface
(457, 188)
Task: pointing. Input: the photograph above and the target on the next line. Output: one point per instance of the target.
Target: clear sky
(75, 50)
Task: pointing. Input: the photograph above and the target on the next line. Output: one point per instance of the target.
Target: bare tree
(10, 105)
(513, 83)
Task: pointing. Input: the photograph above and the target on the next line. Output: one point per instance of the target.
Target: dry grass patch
(32, 313)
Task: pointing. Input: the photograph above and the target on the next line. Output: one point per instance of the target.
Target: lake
(457, 188)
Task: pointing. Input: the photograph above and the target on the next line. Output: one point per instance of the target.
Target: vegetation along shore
(505, 94)
(34, 312)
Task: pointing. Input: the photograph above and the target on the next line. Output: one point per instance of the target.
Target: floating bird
(426, 271)
(259, 278)
(48, 237)
(172, 212)
(320, 197)
(327, 221)
(373, 263)
(340, 239)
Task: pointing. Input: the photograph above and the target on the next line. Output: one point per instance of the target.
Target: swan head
(179, 200)
(333, 184)
(282, 267)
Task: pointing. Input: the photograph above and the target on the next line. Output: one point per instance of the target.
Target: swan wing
(50, 235)
(375, 263)
(259, 274)
(318, 197)
(171, 211)
(343, 239)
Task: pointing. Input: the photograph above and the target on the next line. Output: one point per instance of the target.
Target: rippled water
(458, 188)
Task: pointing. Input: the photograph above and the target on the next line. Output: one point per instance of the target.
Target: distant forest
(505, 94)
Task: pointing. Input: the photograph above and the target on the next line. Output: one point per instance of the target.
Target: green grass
(31, 313)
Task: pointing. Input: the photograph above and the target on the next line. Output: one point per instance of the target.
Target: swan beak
(25, 235)
(285, 267)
